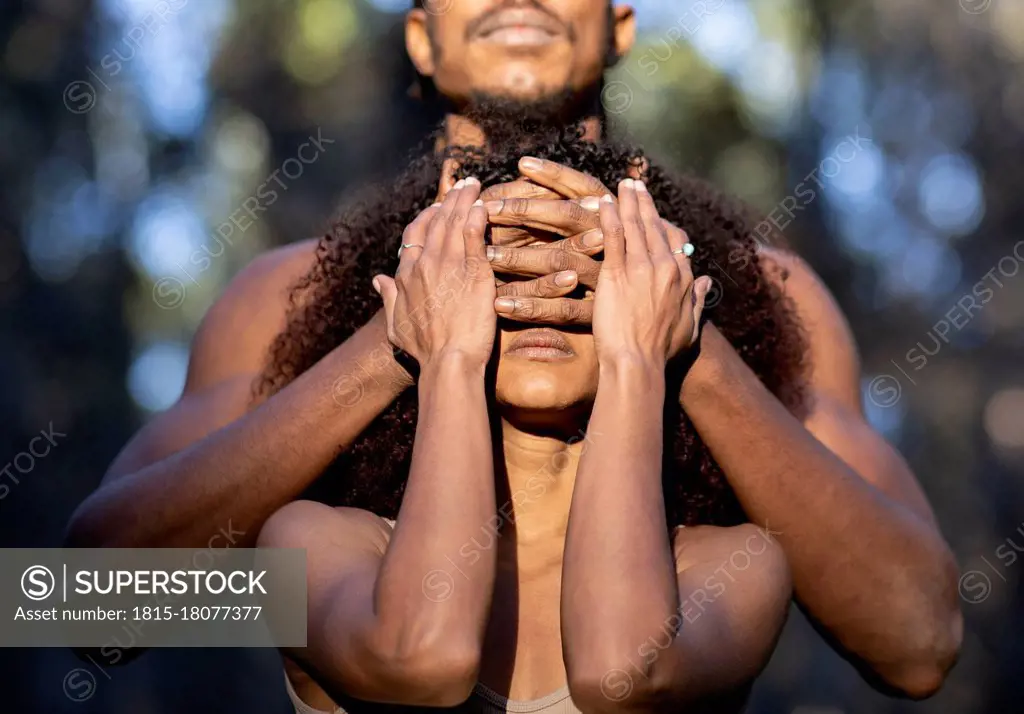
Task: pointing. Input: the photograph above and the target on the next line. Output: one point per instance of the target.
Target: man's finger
(588, 243)
(548, 286)
(517, 237)
(448, 169)
(520, 188)
(388, 292)
(543, 261)
(568, 182)
(556, 311)
(565, 218)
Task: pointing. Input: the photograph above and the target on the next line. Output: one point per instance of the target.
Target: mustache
(474, 25)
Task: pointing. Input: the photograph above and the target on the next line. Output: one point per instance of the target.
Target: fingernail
(505, 305)
(626, 183)
(494, 206)
(472, 181)
(591, 203)
(435, 205)
(592, 239)
(607, 198)
(565, 278)
(459, 184)
(639, 185)
(493, 253)
(528, 162)
(478, 202)
(704, 287)
(376, 285)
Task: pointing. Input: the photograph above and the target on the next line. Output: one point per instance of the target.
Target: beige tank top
(482, 701)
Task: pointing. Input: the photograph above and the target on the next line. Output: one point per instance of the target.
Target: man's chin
(509, 112)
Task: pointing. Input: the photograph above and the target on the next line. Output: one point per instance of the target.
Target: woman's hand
(441, 300)
(647, 305)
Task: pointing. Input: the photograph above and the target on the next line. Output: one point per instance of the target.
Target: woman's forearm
(618, 580)
(423, 595)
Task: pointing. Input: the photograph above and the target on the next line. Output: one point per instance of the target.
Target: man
(869, 565)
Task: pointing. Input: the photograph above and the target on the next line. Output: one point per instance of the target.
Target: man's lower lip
(539, 353)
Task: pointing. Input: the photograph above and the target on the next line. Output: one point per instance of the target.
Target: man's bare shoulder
(835, 363)
(241, 325)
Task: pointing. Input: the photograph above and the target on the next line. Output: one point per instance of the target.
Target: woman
(533, 563)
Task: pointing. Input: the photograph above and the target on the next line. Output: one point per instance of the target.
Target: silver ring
(686, 250)
(407, 245)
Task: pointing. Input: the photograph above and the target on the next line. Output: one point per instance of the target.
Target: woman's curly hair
(336, 298)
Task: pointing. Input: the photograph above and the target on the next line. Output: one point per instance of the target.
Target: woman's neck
(535, 490)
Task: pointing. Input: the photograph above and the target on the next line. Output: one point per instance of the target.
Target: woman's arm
(621, 604)
(387, 620)
(392, 624)
(624, 599)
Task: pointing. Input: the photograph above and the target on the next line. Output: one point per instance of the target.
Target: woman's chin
(541, 392)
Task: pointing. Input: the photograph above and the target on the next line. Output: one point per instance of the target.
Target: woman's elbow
(437, 675)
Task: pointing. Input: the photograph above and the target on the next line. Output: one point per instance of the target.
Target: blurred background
(883, 137)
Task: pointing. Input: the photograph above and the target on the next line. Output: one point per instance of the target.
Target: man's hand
(563, 266)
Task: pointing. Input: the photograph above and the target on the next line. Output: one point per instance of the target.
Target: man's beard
(505, 121)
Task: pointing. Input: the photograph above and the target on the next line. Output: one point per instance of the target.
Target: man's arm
(868, 562)
(212, 462)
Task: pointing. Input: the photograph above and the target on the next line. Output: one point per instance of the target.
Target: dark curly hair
(336, 298)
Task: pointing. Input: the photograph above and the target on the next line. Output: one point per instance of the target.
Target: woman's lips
(541, 344)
